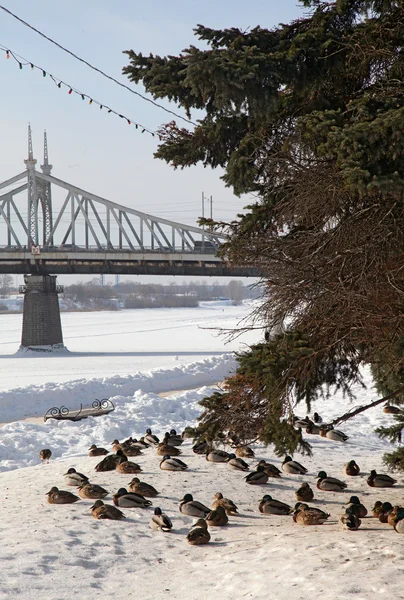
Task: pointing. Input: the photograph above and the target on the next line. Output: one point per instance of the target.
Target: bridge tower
(41, 326)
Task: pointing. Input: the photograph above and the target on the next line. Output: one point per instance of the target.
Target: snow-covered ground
(60, 552)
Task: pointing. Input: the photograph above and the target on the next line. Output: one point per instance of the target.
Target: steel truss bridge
(63, 229)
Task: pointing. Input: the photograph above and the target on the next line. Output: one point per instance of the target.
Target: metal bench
(97, 409)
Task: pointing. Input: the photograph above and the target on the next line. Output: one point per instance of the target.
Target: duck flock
(136, 494)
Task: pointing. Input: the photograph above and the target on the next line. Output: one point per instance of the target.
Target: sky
(92, 149)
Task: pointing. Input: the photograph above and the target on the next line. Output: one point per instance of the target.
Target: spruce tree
(309, 117)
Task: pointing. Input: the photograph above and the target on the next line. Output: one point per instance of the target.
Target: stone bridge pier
(41, 326)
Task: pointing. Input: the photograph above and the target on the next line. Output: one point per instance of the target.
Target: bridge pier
(41, 326)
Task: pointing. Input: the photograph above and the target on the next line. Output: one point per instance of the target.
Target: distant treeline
(130, 294)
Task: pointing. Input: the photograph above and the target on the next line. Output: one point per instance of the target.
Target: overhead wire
(82, 60)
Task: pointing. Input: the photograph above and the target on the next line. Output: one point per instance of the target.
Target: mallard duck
(313, 429)
(380, 480)
(165, 448)
(217, 517)
(228, 505)
(75, 479)
(304, 493)
(217, 456)
(56, 496)
(244, 452)
(329, 484)
(174, 439)
(140, 443)
(399, 523)
(377, 509)
(143, 488)
(333, 434)
(308, 515)
(351, 468)
(172, 464)
(150, 438)
(270, 469)
(350, 520)
(299, 423)
(258, 477)
(127, 499)
(92, 491)
(293, 467)
(201, 447)
(45, 455)
(193, 508)
(237, 464)
(116, 446)
(356, 507)
(188, 432)
(268, 506)
(95, 451)
(108, 463)
(394, 515)
(199, 533)
(131, 449)
(384, 512)
(317, 418)
(160, 521)
(99, 510)
(128, 467)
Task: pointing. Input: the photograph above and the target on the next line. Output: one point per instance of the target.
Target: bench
(97, 409)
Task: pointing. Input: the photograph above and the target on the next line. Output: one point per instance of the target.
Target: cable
(92, 66)
(59, 82)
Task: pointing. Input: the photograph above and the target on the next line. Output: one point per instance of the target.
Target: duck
(193, 508)
(329, 484)
(217, 456)
(116, 446)
(165, 448)
(172, 464)
(95, 451)
(333, 434)
(258, 477)
(188, 433)
(394, 515)
(350, 520)
(270, 469)
(384, 512)
(128, 466)
(143, 488)
(237, 464)
(150, 438)
(140, 443)
(130, 449)
(377, 509)
(399, 523)
(228, 505)
(380, 480)
(217, 517)
(351, 469)
(198, 533)
(130, 499)
(304, 493)
(56, 496)
(45, 455)
(244, 452)
(293, 467)
(73, 478)
(355, 506)
(174, 439)
(92, 491)
(299, 423)
(269, 506)
(99, 510)
(308, 515)
(317, 418)
(110, 462)
(201, 447)
(313, 429)
(160, 521)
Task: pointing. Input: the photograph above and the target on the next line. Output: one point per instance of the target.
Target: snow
(60, 552)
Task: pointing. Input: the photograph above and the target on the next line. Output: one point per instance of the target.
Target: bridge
(63, 229)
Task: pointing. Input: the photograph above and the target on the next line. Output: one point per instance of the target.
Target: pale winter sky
(89, 148)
